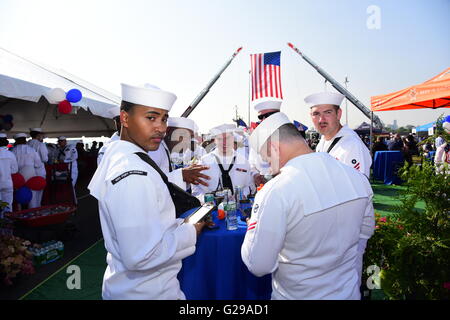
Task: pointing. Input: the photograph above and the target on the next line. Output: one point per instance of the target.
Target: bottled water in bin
(231, 212)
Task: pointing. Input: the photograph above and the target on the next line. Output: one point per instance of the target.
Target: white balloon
(446, 126)
(56, 95)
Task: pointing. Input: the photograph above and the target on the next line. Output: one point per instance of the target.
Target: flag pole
(346, 104)
(249, 93)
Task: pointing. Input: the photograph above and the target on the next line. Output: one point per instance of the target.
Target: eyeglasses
(266, 115)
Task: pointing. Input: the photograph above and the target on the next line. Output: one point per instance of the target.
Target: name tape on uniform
(128, 173)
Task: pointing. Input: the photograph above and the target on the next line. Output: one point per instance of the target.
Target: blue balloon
(447, 118)
(74, 95)
(23, 195)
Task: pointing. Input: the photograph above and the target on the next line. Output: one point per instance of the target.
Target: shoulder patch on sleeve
(128, 173)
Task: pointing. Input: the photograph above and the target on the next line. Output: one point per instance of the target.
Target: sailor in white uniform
(114, 113)
(306, 222)
(177, 144)
(29, 163)
(260, 168)
(339, 141)
(196, 144)
(178, 139)
(241, 140)
(144, 240)
(67, 153)
(198, 150)
(228, 168)
(36, 142)
(8, 166)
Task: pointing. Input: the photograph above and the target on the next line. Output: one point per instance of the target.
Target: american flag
(266, 75)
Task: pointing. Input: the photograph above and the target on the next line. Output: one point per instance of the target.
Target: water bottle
(231, 213)
(209, 198)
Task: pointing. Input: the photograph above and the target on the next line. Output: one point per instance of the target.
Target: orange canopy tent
(434, 93)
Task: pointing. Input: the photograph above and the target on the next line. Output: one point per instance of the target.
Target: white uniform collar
(324, 195)
(344, 131)
(115, 150)
(224, 159)
(115, 136)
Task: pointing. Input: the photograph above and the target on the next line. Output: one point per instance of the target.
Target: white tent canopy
(23, 86)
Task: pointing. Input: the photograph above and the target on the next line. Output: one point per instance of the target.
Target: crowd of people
(29, 156)
(304, 188)
(301, 195)
(409, 146)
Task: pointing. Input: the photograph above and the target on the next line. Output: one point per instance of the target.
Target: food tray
(42, 216)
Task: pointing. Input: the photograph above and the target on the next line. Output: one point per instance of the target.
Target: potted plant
(412, 246)
(15, 258)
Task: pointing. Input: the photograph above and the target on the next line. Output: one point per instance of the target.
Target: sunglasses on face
(266, 115)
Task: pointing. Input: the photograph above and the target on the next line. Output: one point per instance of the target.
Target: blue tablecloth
(216, 271)
(386, 165)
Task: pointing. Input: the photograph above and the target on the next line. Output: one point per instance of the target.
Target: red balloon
(18, 180)
(36, 183)
(64, 107)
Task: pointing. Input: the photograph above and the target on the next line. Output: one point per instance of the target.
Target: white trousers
(7, 195)
(35, 201)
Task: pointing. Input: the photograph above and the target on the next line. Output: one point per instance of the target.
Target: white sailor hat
(266, 128)
(62, 138)
(196, 128)
(266, 104)
(223, 128)
(181, 122)
(113, 112)
(3, 135)
(148, 95)
(324, 98)
(36, 130)
(20, 135)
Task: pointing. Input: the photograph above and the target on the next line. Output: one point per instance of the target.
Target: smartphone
(200, 213)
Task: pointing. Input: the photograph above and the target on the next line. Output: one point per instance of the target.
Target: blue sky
(180, 45)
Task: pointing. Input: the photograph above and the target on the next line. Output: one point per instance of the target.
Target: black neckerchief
(226, 179)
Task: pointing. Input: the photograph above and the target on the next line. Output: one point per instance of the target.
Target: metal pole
(339, 87)
(346, 102)
(371, 132)
(205, 91)
(249, 93)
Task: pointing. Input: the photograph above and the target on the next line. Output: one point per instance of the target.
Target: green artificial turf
(386, 198)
